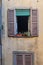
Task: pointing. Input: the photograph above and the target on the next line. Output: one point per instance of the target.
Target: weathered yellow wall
(34, 44)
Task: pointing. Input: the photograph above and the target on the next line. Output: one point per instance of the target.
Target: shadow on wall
(0, 54)
(0, 22)
(0, 32)
(3, 59)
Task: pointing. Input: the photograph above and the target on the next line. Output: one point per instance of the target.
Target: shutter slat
(19, 59)
(28, 60)
(34, 22)
(10, 19)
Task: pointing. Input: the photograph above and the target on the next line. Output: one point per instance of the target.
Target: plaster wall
(10, 44)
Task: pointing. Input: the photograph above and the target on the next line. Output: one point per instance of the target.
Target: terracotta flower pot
(19, 35)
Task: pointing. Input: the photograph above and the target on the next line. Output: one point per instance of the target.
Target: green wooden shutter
(34, 27)
(10, 19)
(22, 12)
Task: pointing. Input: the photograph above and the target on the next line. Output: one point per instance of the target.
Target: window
(23, 24)
(23, 58)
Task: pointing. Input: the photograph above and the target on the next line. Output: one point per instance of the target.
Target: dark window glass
(22, 23)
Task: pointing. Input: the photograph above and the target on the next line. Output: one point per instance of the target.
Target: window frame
(22, 53)
(30, 29)
(29, 19)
